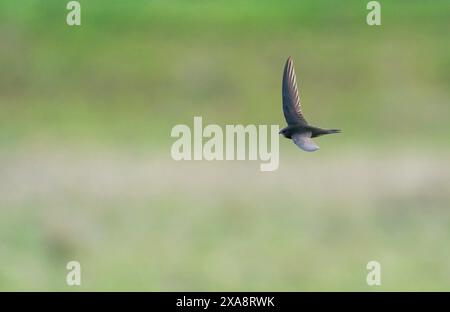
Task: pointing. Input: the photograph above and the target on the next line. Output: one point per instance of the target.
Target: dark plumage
(298, 128)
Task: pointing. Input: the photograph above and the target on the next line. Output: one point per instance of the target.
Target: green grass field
(85, 168)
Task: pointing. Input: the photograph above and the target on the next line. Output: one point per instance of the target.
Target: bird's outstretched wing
(291, 100)
(303, 140)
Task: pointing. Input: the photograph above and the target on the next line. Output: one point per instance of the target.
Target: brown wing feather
(291, 99)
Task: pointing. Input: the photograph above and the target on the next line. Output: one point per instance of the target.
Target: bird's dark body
(315, 132)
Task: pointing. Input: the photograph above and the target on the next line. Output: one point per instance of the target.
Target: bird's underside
(298, 128)
(303, 140)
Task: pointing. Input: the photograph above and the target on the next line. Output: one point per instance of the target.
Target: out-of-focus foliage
(85, 170)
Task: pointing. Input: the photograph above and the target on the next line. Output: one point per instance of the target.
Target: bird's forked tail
(333, 131)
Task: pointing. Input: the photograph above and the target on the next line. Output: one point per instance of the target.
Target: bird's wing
(291, 100)
(303, 140)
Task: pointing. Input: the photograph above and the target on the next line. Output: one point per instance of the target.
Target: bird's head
(283, 132)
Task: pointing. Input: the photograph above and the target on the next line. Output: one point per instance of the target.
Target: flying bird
(298, 128)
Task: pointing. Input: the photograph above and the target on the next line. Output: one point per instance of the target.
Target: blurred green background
(85, 167)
